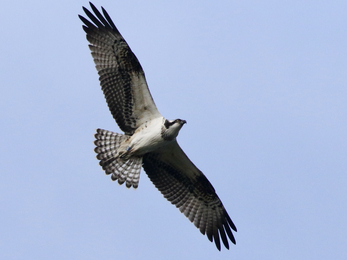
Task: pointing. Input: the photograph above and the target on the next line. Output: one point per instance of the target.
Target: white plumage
(149, 140)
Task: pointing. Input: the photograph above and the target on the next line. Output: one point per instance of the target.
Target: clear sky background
(263, 86)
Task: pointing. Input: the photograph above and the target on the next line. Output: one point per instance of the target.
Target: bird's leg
(125, 154)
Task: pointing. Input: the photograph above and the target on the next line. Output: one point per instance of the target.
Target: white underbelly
(147, 138)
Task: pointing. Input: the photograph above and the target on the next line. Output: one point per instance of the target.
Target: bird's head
(171, 128)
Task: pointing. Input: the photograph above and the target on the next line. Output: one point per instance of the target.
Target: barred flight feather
(145, 142)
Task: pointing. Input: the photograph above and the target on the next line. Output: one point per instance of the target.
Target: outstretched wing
(185, 186)
(121, 76)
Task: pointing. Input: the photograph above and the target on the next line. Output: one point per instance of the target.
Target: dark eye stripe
(167, 123)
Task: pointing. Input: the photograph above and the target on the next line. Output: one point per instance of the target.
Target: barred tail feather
(127, 171)
(107, 143)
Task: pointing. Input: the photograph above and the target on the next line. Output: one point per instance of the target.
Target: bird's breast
(147, 138)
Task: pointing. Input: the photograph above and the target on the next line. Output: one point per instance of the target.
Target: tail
(128, 171)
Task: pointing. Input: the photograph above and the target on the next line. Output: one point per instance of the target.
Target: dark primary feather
(181, 183)
(124, 85)
(121, 76)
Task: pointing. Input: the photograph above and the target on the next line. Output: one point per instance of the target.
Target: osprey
(149, 140)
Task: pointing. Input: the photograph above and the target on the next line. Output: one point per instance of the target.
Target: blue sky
(263, 86)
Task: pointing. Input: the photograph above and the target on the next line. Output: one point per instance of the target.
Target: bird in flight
(149, 139)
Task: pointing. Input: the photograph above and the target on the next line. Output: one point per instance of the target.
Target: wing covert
(121, 76)
(185, 186)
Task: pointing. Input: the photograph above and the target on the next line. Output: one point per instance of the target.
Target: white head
(171, 128)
